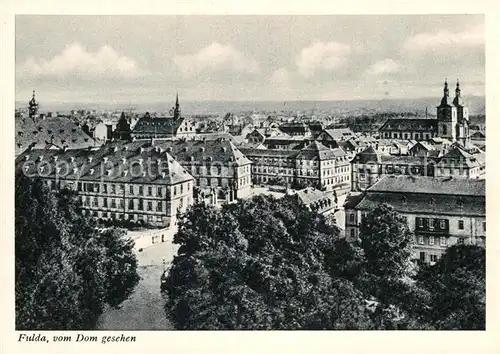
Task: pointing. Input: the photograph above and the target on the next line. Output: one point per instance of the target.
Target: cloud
(474, 36)
(215, 57)
(76, 60)
(382, 67)
(280, 77)
(323, 56)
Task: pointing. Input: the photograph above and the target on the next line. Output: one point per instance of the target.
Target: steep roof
(339, 133)
(115, 162)
(255, 152)
(352, 200)
(430, 185)
(367, 155)
(310, 195)
(457, 156)
(157, 125)
(316, 150)
(50, 133)
(201, 152)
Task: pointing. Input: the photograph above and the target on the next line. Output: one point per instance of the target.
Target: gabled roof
(457, 156)
(310, 195)
(316, 150)
(157, 125)
(50, 133)
(367, 155)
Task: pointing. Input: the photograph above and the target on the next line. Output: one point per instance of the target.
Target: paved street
(144, 309)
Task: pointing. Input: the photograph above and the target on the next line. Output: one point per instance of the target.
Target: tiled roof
(405, 160)
(294, 127)
(340, 133)
(157, 125)
(269, 152)
(352, 199)
(457, 156)
(448, 204)
(316, 150)
(367, 155)
(430, 185)
(199, 152)
(117, 162)
(409, 124)
(50, 133)
(310, 195)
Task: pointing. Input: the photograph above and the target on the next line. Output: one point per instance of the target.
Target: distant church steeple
(33, 107)
(177, 110)
(446, 90)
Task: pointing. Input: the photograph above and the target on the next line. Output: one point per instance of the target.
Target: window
(181, 202)
(461, 241)
(352, 233)
(432, 202)
(175, 190)
(113, 203)
(122, 204)
(96, 202)
(96, 187)
(140, 206)
(422, 256)
(150, 206)
(150, 190)
(484, 226)
(442, 224)
(420, 222)
(431, 240)
(351, 217)
(182, 188)
(420, 240)
(141, 190)
(405, 219)
(404, 200)
(105, 188)
(113, 189)
(159, 206)
(79, 186)
(189, 186)
(159, 191)
(131, 204)
(433, 258)
(131, 189)
(105, 202)
(442, 241)
(460, 224)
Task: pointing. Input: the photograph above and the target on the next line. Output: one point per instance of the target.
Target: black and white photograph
(249, 172)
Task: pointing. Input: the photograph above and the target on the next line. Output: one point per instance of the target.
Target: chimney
(125, 173)
(91, 171)
(108, 173)
(90, 158)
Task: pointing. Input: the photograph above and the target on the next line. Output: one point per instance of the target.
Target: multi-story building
(460, 163)
(121, 181)
(368, 167)
(439, 211)
(217, 165)
(322, 202)
(315, 165)
(332, 137)
(271, 166)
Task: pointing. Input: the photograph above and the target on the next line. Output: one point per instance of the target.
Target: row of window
(158, 191)
(431, 241)
(122, 216)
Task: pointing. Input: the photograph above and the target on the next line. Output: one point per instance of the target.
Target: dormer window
(460, 203)
(432, 202)
(404, 200)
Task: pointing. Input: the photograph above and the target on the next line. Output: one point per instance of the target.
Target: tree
(66, 271)
(456, 284)
(387, 243)
(259, 264)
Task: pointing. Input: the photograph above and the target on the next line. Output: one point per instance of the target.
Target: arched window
(444, 129)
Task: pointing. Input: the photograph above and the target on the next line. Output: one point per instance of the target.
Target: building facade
(440, 212)
(128, 182)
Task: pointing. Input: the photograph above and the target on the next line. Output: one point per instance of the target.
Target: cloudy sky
(149, 58)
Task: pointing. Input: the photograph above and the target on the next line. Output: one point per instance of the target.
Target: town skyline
(330, 58)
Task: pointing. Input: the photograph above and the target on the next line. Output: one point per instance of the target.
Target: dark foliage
(259, 264)
(66, 271)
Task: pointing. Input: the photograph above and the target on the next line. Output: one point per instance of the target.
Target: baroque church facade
(451, 122)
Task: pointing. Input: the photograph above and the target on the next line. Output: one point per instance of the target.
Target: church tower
(447, 116)
(462, 127)
(33, 107)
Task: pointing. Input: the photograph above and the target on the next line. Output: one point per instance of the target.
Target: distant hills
(476, 106)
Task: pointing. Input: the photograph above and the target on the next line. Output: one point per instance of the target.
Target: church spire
(177, 111)
(446, 91)
(33, 106)
(457, 90)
